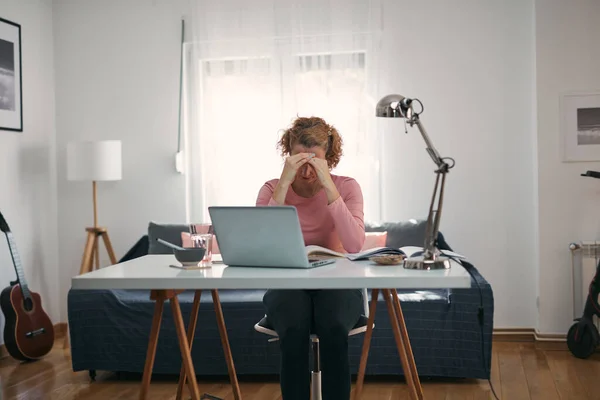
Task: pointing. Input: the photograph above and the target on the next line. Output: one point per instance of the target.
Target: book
(319, 253)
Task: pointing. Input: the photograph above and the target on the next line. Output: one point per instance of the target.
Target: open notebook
(320, 253)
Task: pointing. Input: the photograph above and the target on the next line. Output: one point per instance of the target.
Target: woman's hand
(322, 169)
(292, 165)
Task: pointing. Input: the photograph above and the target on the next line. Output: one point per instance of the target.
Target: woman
(330, 209)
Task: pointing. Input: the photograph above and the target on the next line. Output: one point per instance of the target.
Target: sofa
(450, 329)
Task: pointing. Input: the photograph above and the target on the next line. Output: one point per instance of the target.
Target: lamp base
(94, 234)
(419, 262)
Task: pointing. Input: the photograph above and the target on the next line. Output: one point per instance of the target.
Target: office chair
(263, 326)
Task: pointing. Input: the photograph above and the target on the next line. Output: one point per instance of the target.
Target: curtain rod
(259, 38)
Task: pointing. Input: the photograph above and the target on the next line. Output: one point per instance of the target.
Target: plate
(388, 259)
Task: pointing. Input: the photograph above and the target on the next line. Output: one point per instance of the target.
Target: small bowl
(388, 259)
(189, 255)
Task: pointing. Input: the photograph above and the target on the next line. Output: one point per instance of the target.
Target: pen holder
(203, 241)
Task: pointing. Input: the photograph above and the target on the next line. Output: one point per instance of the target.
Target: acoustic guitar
(28, 331)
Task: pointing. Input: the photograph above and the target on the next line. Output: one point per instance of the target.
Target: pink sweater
(338, 226)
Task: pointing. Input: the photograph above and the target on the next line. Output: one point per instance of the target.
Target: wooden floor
(519, 371)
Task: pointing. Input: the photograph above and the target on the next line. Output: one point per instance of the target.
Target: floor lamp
(94, 161)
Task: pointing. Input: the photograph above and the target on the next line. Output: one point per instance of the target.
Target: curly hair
(310, 132)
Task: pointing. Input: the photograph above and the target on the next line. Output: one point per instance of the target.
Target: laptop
(261, 236)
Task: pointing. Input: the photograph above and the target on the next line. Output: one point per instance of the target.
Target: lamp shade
(94, 160)
(389, 106)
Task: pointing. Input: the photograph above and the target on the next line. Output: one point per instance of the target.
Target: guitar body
(28, 330)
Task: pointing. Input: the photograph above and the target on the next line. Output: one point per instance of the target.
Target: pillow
(374, 239)
(186, 240)
(406, 233)
(168, 232)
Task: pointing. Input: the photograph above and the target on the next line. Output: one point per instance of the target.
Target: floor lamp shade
(94, 161)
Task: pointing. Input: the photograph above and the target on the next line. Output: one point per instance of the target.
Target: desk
(152, 272)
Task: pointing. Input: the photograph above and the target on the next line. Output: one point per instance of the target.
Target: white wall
(117, 77)
(28, 160)
(117, 66)
(568, 59)
(471, 63)
(489, 79)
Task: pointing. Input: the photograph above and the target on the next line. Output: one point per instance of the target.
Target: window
(242, 105)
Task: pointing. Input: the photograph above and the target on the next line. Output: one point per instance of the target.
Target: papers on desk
(318, 252)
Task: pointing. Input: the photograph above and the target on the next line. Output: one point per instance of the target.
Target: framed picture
(11, 92)
(580, 126)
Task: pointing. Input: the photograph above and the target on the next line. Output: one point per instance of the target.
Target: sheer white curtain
(250, 68)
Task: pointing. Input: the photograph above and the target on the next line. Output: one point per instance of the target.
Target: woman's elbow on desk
(356, 244)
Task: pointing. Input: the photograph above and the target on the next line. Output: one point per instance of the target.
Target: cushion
(168, 232)
(374, 239)
(405, 233)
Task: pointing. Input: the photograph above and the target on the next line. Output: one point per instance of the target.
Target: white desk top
(153, 272)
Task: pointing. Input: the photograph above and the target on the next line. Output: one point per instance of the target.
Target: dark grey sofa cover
(110, 328)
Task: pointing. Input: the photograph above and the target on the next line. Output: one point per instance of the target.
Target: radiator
(584, 259)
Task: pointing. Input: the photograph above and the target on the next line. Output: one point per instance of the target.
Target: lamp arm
(431, 150)
(430, 250)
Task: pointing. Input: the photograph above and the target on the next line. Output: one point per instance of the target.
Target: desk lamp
(397, 106)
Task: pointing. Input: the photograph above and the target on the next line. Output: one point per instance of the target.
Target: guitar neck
(17, 264)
